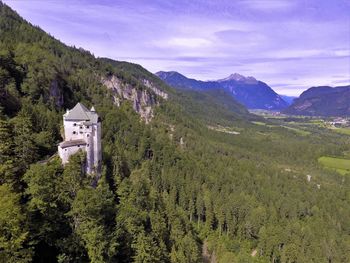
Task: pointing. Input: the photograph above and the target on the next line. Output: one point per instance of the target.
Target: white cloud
(269, 5)
(184, 42)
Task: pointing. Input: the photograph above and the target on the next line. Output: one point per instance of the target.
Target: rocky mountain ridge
(240, 78)
(248, 91)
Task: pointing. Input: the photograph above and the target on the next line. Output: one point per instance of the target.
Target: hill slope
(213, 106)
(322, 101)
(250, 92)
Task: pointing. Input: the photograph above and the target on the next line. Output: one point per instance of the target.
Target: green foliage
(92, 216)
(6, 153)
(146, 249)
(24, 146)
(341, 165)
(13, 228)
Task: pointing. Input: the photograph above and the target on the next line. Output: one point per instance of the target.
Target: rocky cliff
(143, 99)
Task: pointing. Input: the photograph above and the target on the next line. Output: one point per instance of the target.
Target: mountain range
(252, 93)
(322, 101)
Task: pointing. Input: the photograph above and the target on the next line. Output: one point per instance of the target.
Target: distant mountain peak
(235, 76)
(248, 91)
(240, 78)
(168, 74)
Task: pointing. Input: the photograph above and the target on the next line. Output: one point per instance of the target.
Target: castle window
(87, 135)
(81, 132)
(81, 127)
(78, 145)
(65, 149)
(74, 132)
(87, 127)
(74, 124)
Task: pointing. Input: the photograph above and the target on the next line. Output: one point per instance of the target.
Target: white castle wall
(97, 145)
(90, 133)
(75, 130)
(65, 153)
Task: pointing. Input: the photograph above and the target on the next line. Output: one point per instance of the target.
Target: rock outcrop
(143, 99)
(56, 93)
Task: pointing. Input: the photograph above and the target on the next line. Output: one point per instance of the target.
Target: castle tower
(82, 131)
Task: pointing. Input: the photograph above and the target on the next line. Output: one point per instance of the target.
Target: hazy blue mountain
(322, 101)
(252, 93)
(288, 99)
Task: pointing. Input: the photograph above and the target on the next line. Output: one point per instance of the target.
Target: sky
(289, 44)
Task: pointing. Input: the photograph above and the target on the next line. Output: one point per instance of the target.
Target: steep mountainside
(250, 92)
(322, 101)
(54, 72)
(213, 105)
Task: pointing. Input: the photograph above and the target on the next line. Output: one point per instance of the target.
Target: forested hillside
(170, 188)
(322, 101)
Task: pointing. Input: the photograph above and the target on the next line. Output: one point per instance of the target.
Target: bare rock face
(56, 93)
(156, 90)
(143, 100)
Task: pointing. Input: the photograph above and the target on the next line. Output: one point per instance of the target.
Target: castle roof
(71, 143)
(81, 113)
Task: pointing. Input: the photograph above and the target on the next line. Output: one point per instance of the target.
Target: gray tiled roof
(66, 144)
(81, 113)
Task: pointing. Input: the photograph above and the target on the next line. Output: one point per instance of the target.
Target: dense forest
(172, 190)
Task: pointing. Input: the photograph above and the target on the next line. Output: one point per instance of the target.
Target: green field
(299, 131)
(342, 166)
(296, 130)
(259, 123)
(345, 131)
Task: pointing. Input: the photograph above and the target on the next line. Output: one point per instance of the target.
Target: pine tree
(6, 153)
(25, 148)
(13, 228)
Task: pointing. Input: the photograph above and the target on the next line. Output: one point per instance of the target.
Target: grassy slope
(339, 164)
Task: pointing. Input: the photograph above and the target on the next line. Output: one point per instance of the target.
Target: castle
(82, 131)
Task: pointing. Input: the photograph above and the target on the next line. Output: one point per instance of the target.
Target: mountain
(248, 91)
(210, 106)
(176, 186)
(288, 99)
(322, 101)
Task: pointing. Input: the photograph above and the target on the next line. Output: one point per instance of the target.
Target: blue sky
(289, 44)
